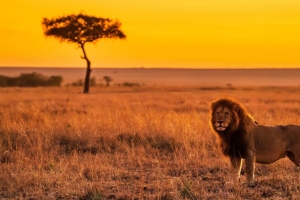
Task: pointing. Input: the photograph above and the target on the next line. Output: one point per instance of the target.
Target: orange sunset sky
(171, 34)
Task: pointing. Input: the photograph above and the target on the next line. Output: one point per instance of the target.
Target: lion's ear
(236, 108)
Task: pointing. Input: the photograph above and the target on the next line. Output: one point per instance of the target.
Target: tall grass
(132, 143)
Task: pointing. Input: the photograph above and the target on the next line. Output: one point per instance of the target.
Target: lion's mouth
(221, 128)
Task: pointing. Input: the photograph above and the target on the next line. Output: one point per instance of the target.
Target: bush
(30, 80)
(54, 80)
(93, 81)
(3, 81)
(128, 84)
(80, 82)
(7, 81)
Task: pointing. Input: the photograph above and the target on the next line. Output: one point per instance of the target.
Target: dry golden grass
(132, 143)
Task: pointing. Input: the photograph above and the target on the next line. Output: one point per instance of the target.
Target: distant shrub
(54, 80)
(30, 80)
(128, 84)
(3, 81)
(80, 82)
(7, 81)
(93, 81)
(107, 79)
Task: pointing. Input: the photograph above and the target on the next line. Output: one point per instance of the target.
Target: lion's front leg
(236, 164)
(250, 167)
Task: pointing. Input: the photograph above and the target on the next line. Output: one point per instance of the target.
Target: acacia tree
(107, 79)
(81, 29)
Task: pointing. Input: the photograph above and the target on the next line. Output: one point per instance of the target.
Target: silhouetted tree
(107, 79)
(81, 29)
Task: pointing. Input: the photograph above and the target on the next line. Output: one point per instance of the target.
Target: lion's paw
(249, 184)
(229, 186)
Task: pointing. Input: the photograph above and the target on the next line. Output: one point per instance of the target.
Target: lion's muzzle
(220, 125)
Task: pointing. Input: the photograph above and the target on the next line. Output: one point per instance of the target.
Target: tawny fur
(240, 137)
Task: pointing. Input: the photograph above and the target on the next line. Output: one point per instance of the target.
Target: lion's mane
(234, 140)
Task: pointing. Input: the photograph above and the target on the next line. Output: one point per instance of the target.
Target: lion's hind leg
(295, 158)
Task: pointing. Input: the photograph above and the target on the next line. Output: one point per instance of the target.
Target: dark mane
(233, 140)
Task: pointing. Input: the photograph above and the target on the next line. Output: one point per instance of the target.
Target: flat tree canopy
(81, 29)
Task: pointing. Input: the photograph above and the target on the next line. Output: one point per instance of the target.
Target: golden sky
(171, 34)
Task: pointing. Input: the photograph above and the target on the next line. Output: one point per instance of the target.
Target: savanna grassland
(133, 143)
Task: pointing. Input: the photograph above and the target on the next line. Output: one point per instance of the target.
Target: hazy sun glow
(179, 34)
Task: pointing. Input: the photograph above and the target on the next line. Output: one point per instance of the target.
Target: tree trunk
(88, 71)
(87, 77)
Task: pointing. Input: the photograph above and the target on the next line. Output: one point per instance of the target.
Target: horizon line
(171, 68)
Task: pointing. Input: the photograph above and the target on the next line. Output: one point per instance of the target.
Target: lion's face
(223, 118)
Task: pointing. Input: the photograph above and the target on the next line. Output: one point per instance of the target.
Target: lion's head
(225, 115)
(232, 123)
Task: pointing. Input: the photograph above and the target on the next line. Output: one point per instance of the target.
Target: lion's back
(273, 142)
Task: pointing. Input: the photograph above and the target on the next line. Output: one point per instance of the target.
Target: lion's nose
(220, 121)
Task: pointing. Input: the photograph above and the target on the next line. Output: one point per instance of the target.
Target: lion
(240, 137)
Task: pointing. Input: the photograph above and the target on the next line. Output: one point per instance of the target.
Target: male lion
(240, 137)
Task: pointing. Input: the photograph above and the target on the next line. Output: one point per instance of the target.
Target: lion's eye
(217, 113)
(226, 113)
